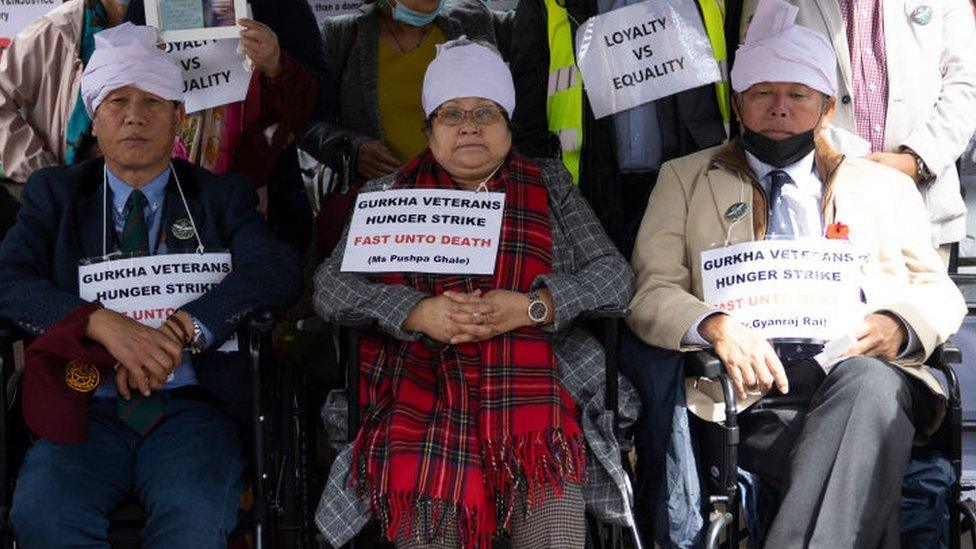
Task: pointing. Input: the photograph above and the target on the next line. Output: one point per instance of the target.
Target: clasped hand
(458, 317)
(146, 356)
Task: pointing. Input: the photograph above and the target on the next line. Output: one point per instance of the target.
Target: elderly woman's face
(469, 137)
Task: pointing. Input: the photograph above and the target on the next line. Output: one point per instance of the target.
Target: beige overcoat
(881, 207)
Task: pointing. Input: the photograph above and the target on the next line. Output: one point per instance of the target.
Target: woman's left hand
(260, 44)
(483, 317)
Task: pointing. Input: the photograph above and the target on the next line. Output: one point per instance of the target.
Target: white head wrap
(777, 50)
(463, 68)
(126, 55)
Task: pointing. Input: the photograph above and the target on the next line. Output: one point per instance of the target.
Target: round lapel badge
(81, 377)
(183, 229)
(923, 15)
(736, 211)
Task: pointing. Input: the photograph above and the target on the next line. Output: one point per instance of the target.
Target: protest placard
(213, 72)
(642, 52)
(800, 290)
(424, 231)
(15, 15)
(149, 289)
(188, 20)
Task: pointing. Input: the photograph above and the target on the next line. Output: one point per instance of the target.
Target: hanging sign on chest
(424, 231)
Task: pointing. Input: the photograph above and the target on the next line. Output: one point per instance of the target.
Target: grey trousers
(556, 522)
(836, 447)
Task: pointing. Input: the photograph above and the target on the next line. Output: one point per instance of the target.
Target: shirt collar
(154, 191)
(801, 171)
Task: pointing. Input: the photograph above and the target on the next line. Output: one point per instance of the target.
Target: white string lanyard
(179, 188)
(483, 186)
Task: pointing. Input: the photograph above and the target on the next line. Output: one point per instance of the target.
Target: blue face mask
(415, 18)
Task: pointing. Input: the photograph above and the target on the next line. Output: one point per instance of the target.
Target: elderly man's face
(136, 129)
(469, 150)
(779, 110)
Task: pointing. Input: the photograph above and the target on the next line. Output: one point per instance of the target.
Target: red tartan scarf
(458, 434)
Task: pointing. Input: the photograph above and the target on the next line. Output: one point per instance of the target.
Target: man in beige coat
(836, 445)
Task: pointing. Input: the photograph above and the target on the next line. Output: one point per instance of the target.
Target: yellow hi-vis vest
(713, 12)
(564, 96)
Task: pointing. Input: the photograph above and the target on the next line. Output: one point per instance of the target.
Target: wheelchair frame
(268, 461)
(603, 322)
(724, 507)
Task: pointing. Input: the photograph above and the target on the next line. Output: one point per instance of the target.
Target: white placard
(213, 72)
(14, 16)
(642, 52)
(424, 231)
(149, 289)
(185, 20)
(803, 290)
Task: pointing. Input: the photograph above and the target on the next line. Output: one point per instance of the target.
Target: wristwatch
(538, 308)
(197, 342)
(923, 175)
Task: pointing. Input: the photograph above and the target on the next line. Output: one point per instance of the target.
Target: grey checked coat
(587, 273)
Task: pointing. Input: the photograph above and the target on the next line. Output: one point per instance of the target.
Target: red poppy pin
(838, 231)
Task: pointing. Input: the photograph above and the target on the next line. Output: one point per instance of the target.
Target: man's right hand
(375, 160)
(749, 359)
(148, 355)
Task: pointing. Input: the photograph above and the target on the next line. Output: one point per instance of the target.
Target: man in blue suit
(157, 419)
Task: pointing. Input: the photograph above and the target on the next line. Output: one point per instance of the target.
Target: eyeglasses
(482, 116)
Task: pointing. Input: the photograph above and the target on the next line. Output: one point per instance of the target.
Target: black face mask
(778, 152)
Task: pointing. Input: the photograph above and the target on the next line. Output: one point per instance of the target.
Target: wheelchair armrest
(703, 364)
(605, 312)
(352, 320)
(260, 322)
(942, 359)
(944, 355)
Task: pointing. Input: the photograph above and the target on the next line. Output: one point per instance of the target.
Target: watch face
(538, 311)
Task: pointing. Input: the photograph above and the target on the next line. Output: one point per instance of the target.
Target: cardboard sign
(15, 16)
(424, 231)
(213, 72)
(642, 52)
(802, 290)
(149, 289)
(184, 20)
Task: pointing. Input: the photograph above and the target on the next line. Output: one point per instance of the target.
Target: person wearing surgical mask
(379, 55)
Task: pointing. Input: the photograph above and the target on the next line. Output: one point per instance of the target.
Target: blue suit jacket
(62, 220)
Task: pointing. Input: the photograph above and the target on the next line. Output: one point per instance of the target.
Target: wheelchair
(604, 323)
(280, 513)
(718, 449)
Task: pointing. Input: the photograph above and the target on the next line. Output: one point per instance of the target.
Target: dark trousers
(655, 373)
(836, 447)
(188, 473)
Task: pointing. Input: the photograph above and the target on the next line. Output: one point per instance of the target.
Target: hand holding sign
(148, 355)
(749, 359)
(260, 44)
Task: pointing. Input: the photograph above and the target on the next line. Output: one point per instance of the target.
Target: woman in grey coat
(482, 394)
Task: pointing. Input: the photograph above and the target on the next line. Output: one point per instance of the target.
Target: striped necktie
(141, 413)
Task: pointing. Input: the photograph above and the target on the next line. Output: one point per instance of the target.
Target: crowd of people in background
(482, 395)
